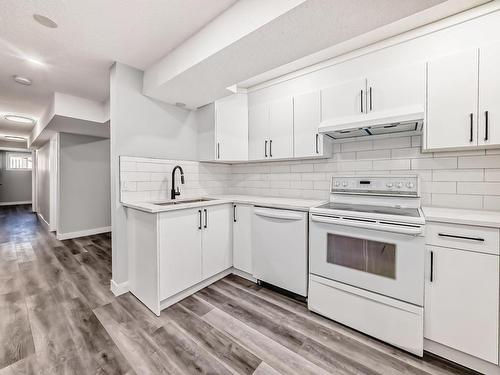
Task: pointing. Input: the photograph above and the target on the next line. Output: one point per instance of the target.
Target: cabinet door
(461, 302)
(452, 87)
(306, 119)
(343, 100)
(242, 237)
(396, 88)
(489, 96)
(180, 251)
(231, 116)
(281, 128)
(217, 239)
(258, 131)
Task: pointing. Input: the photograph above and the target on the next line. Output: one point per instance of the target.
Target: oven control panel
(379, 185)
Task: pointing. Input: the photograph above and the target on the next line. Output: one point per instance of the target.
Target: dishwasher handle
(278, 214)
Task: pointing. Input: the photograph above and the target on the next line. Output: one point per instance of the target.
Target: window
(19, 161)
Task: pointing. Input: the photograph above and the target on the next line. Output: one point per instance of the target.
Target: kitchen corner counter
(273, 202)
(462, 216)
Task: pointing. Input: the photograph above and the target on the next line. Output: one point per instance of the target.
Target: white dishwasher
(279, 248)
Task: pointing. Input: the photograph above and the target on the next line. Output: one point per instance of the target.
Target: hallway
(58, 316)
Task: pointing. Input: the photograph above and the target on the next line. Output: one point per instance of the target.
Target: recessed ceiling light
(14, 138)
(22, 80)
(19, 119)
(45, 21)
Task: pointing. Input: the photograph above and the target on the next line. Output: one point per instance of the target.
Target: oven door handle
(414, 231)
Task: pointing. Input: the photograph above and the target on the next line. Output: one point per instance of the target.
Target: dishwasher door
(279, 248)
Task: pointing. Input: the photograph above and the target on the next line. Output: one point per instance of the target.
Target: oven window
(374, 257)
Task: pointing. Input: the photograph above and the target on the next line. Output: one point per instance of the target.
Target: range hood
(406, 120)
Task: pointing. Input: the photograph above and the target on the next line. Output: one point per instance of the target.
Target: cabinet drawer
(466, 237)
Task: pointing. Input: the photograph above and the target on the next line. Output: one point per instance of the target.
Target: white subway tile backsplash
(434, 163)
(457, 201)
(487, 161)
(464, 179)
(458, 175)
(479, 188)
(391, 164)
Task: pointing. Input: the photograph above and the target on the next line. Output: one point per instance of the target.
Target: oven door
(382, 258)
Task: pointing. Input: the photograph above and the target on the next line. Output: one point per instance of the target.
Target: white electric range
(366, 258)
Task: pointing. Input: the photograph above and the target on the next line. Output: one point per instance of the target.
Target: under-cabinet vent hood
(403, 120)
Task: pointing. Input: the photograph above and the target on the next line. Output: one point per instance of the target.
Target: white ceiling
(91, 35)
(307, 28)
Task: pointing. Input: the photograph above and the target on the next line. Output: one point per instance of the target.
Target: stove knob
(389, 185)
(399, 185)
(344, 183)
(337, 184)
(409, 185)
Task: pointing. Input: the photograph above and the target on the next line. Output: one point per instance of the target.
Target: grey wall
(141, 126)
(43, 181)
(84, 183)
(15, 185)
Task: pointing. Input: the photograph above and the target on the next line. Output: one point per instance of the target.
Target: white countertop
(275, 202)
(462, 216)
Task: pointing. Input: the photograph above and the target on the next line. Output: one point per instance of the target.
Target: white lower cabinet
(194, 245)
(242, 237)
(180, 251)
(462, 301)
(216, 240)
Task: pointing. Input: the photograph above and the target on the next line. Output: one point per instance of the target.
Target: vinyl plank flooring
(58, 316)
(15, 333)
(211, 339)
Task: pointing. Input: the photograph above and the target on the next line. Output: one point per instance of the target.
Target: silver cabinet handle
(199, 213)
(317, 141)
(206, 219)
(234, 213)
(265, 148)
(271, 148)
(218, 150)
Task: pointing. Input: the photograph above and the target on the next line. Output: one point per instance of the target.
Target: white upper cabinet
(281, 129)
(231, 124)
(258, 131)
(344, 100)
(306, 118)
(489, 96)
(452, 100)
(396, 89)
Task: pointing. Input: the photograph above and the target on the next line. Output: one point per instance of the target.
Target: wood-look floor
(57, 316)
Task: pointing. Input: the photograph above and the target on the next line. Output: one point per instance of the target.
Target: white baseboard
(119, 289)
(14, 203)
(82, 233)
(461, 358)
(44, 222)
(243, 274)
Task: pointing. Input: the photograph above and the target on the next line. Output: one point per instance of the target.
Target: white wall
(15, 185)
(84, 184)
(141, 126)
(43, 182)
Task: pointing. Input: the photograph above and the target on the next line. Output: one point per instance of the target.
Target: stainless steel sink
(183, 201)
